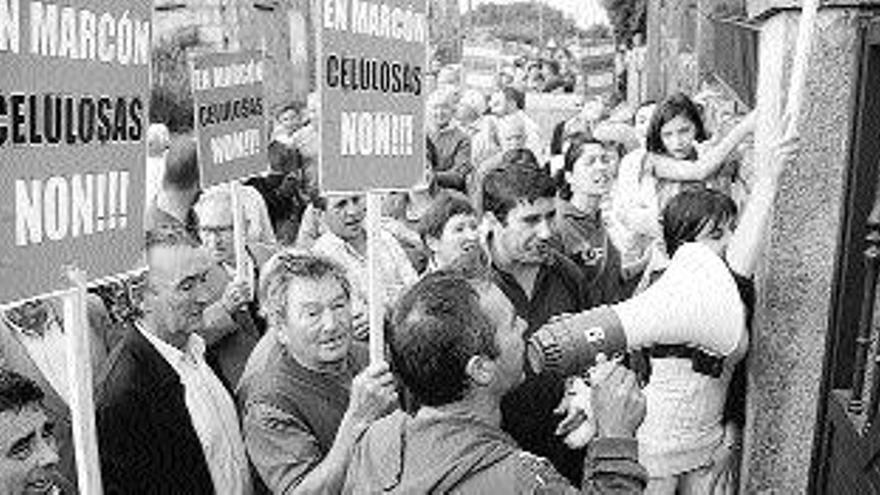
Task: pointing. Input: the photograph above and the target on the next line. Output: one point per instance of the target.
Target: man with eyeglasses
(307, 393)
(28, 452)
(232, 323)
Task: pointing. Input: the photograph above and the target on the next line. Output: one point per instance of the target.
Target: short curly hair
(17, 391)
(282, 269)
(438, 325)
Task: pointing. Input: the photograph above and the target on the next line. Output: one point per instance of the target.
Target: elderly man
(511, 101)
(28, 454)
(453, 145)
(457, 344)
(165, 422)
(307, 394)
(232, 323)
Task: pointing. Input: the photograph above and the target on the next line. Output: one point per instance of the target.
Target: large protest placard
(371, 70)
(74, 79)
(230, 122)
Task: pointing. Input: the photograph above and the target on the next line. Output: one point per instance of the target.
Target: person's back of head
(509, 185)
(438, 326)
(182, 166)
(691, 212)
(283, 159)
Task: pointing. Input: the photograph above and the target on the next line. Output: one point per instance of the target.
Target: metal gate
(846, 456)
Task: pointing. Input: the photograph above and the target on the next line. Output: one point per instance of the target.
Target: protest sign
(229, 117)
(371, 70)
(73, 115)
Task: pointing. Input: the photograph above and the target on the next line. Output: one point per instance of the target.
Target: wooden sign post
(371, 77)
(79, 368)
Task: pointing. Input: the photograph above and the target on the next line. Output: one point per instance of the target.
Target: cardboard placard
(371, 79)
(230, 115)
(73, 116)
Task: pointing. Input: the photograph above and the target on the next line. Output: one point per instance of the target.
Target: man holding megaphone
(697, 314)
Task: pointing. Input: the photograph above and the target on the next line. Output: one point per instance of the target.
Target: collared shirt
(559, 288)
(396, 273)
(212, 412)
(527, 410)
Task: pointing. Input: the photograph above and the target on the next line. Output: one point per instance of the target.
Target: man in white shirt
(165, 422)
(345, 242)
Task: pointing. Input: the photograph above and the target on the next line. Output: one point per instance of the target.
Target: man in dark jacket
(456, 343)
(165, 422)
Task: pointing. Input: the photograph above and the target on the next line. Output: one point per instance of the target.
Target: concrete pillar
(794, 282)
(653, 73)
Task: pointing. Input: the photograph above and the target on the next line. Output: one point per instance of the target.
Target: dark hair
(673, 106)
(645, 104)
(17, 391)
(578, 141)
(296, 106)
(282, 158)
(445, 205)
(519, 156)
(509, 185)
(516, 96)
(182, 165)
(437, 327)
(689, 212)
(553, 65)
(431, 153)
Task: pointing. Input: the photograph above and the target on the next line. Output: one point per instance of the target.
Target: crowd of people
(247, 371)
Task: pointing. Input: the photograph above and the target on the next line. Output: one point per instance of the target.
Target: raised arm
(680, 170)
(744, 249)
(286, 454)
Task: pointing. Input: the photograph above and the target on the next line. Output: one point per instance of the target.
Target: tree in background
(523, 22)
(628, 18)
(171, 97)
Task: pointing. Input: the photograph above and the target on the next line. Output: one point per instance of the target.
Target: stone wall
(794, 283)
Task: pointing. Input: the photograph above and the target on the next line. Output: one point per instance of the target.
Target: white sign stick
(374, 285)
(82, 406)
(809, 10)
(243, 269)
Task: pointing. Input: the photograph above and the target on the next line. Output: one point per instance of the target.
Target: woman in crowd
(686, 441)
(675, 159)
(449, 229)
(584, 182)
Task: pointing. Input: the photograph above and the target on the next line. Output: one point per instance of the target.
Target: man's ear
(481, 370)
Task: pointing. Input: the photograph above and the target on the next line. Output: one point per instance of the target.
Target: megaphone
(695, 302)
